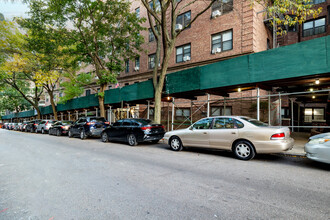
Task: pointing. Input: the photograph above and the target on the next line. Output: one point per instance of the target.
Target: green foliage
(11, 100)
(74, 86)
(288, 12)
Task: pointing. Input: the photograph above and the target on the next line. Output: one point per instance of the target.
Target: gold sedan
(242, 135)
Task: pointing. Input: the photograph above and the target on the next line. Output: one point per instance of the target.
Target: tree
(18, 73)
(288, 12)
(18, 65)
(162, 17)
(48, 47)
(11, 100)
(100, 33)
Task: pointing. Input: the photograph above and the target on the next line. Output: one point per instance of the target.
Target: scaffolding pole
(258, 104)
(148, 109)
(173, 100)
(280, 103)
(269, 109)
(208, 105)
(292, 115)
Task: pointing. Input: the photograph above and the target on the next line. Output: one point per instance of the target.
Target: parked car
(60, 127)
(17, 126)
(5, 125)
(243, 136)
(318, 148)
(32, 126)
(88, 126)
(24, 125)
(44, 126)
(12, 126)
(133, 131)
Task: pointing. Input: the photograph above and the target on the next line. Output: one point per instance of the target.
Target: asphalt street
(57, 178)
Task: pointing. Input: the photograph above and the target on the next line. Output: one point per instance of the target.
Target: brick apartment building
(229, 29)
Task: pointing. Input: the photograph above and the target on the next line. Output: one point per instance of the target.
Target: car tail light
(35, 124)
(46, 123)
(145, 128)
(90, 123)
(107, 122)
(277, 136)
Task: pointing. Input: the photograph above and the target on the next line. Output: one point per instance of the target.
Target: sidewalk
(300, 139)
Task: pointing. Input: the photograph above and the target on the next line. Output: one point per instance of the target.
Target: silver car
(243, 136)
(318, 148)
(44, 126)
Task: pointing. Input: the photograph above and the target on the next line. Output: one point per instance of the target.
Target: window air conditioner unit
(218, 50)
(178, 27)
(137, 68)
(186, 58)
(216, 13)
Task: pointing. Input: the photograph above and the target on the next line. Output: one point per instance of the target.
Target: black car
(88, 127)
(59, 128)
(32, 126)
(133, 131)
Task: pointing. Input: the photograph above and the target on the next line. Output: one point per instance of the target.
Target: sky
(13, 9)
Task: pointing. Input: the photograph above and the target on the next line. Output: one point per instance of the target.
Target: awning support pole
(280, 101)
(258, 104)
(148, 109)
(224, 106)
(173, 100)
(269, 108)
(208, 105)
(292, 114)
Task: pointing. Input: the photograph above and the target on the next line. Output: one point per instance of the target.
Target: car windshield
(255, 122)
(143, 121)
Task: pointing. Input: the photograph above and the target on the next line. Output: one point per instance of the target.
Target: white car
(242, 135)
(318, 148)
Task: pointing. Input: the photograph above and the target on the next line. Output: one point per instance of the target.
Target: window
(88, 92)
(137, 12)
(137, 63)
(184, 19)
(218, 111)
(222, 41)
(223, 6)
(126, 66)
(314, 27)
(314, 114)
(61, 95)
(109, 87)
(98, 90)
(126, 84)
(182, 113)
(183, 53)
(151, 35)
(268, 44)
(203, 124)
(223, 123)
(151, 61)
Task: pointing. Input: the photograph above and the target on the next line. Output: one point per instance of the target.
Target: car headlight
(318, 140)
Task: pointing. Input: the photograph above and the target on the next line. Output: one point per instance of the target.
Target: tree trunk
(101, 100)
(158, 104)
(38, 112)
(51, 96)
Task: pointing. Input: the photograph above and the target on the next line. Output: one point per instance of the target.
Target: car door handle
(204, 132)
(233, 132)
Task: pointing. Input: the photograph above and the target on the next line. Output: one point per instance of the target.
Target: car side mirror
(191, 128)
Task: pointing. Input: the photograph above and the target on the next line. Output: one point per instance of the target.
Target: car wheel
(70, 134)
(176, 143)
(58, 132)
(131, 139)
(82, 135)
(104, 137)
(244, 150)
